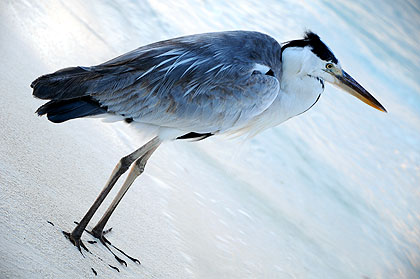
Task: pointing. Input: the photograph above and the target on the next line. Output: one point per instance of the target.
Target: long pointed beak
(348, 84)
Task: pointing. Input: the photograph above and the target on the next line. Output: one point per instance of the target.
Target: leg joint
(125, 163)
(140, 165)
(141, 169)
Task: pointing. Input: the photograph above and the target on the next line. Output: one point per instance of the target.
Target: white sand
(330, 194)
(54, 172)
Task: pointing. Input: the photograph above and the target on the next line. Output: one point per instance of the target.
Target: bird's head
(310, 56)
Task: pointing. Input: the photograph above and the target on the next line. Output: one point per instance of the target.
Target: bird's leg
(119, 169)
(136, 170)
(98, 231)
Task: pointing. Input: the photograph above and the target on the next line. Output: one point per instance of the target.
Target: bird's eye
(329, 66)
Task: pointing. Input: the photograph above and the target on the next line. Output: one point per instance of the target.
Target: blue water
(333, 193)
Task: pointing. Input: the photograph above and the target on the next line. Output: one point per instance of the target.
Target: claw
(122, 252)
(119, 250)
(76, 242)
(107, 231)
(106, 242)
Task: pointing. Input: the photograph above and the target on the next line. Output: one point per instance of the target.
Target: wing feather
(201, 83)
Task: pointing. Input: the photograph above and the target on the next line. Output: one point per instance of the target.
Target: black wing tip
(63, 110)
(128, 120)
(35, 84)
(41, 89)
(195, 136)
(40, 111)
(66, 82)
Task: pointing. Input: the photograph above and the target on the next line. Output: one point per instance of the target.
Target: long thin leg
(119, 169)
(135, 171)
(98, 231)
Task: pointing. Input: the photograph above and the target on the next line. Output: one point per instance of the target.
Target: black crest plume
(318, 47)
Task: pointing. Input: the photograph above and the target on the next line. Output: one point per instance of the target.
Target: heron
(194, 87)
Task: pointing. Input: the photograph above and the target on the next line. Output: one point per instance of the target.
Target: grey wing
(201, 83)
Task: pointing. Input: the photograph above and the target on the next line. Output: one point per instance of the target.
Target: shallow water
(333, 193)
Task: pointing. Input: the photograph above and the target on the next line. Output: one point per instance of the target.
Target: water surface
(333, 193)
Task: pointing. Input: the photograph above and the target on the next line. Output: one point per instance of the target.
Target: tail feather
(68, 92)
(63, 110)
(64, 84)
(72, 91)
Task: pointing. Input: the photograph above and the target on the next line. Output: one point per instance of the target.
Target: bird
(193, 87)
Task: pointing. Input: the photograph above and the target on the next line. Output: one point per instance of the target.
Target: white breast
(299, 92)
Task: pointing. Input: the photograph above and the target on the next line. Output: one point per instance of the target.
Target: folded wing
(202, 83)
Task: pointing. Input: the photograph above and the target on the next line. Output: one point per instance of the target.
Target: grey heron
(193, 87)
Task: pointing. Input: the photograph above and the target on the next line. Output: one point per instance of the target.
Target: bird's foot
(108, 244)
(76, 241)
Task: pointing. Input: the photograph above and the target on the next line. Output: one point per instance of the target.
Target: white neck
(300, 89)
